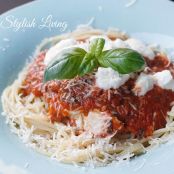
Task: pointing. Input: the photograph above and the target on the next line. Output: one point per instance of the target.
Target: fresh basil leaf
(88, 64)
(65, 65)
(123, 60)
(96, 46)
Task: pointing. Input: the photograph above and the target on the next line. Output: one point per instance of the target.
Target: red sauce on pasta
(139, 116)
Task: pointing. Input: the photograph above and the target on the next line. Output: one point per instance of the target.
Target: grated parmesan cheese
(101, 121)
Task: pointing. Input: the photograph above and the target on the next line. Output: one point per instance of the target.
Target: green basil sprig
(88, 64)
(96, 47)
(65, 65)
(123, 60)
(76, 61)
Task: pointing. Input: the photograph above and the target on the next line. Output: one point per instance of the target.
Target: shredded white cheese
(98, 123)
(107, 78)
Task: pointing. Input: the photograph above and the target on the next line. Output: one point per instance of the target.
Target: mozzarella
(143, 84)
(107, 78)
(118, 43)
(135, 45)
(140, 47)
(53, 51)
(164, 79)
(62, 45)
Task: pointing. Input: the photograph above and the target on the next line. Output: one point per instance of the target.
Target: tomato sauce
(139, 116)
